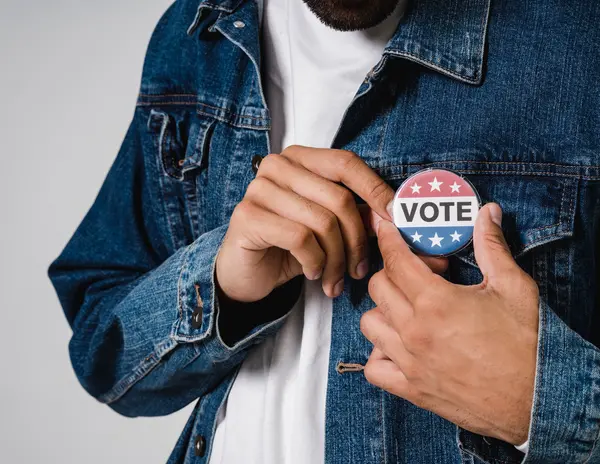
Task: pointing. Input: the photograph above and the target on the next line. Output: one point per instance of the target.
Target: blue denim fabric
(503, 92)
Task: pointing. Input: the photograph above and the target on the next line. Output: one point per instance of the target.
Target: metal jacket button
(197, 318)
(200, 446)
(256, 160)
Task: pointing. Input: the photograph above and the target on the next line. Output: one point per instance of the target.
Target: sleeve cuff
(565, 419)
(196, 293)
(237, 322)
(226, 330)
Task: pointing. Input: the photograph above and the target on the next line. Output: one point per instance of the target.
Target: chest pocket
(538, 223)
(204, 164)
(181, 143)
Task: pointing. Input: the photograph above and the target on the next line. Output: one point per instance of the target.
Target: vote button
(435, 211)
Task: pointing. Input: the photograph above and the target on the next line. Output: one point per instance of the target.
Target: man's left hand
(466, 353)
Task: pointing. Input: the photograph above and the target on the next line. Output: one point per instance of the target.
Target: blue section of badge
(437, 240)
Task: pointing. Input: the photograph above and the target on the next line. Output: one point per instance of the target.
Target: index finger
(402, 266)
(437, 264)
(345, 167)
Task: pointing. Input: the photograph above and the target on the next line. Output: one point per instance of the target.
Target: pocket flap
(182, 140)
(536, 209)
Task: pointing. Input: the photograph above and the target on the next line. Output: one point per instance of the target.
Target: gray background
(69, 76)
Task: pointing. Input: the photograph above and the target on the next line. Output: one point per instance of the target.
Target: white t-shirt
(275, 412)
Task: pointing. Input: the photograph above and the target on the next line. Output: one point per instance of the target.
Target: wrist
(237, 320)
(516, 432)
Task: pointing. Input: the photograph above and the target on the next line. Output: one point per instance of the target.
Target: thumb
(491, 250)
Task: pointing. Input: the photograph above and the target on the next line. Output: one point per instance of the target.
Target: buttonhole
(342, 367)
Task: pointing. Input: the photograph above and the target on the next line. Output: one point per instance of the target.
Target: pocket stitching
(557, 224)
(565, 214)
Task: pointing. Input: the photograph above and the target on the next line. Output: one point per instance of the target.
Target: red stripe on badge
(436, 183)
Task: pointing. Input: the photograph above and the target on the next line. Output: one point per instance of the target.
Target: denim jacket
(504, 92)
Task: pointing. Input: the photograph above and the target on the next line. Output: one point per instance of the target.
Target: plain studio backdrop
(69, 77)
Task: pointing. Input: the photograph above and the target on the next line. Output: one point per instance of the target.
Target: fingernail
(316, 275)
(390, 209)
(495, 214)
(339, 288)
(362, 268)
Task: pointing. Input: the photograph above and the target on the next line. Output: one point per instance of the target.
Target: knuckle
(387, 383)
(258, 185)
(327, 221)
(392, 261)
(358, 249)
(425, 301)
(416, 338)
(242, 211)
(302, 237)
(377, 189)
(376, 341)
(384, 308)
(347, 159)
(344, 199)
(308, 205)
(365, 322)
(374, 283)
(291, 150)
(369, 373)
(411, 371)
(271, 163)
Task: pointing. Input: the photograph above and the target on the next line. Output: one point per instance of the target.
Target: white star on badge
(455, 187)
(416, 188)
(436, 240)
(435, 185)
(455, 236)
(416, 237)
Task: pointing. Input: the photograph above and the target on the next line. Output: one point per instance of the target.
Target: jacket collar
(227, 6)
(447, 36)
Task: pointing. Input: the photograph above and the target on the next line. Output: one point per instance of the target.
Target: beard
(351, 15)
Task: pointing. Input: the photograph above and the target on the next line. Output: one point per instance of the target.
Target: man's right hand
(297, 219)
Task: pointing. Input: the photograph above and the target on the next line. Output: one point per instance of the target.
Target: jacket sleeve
(149, 336)
(565, 418)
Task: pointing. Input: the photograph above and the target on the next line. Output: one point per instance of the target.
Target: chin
(352, 15)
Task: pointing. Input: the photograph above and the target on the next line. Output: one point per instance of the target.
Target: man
(205, 271)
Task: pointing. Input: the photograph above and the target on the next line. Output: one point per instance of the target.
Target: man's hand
(466, 353)
(297, 219)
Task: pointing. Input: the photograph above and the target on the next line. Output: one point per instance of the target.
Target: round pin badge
(435, 211)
